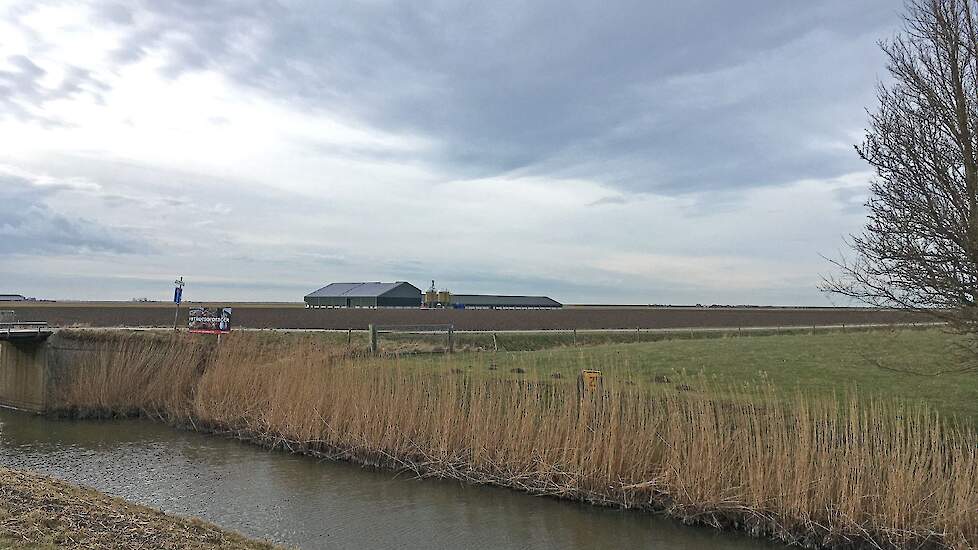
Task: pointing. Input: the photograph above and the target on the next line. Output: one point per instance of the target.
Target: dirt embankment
(591, 318)
(37, 511)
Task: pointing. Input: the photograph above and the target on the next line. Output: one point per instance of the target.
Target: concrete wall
(24, 375)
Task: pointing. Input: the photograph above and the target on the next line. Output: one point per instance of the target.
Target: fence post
(575, 336)
(349, 337)
(451, 339)
(373, 338)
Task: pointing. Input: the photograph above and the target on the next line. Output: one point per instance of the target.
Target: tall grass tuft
(137, 373)
(840, 472)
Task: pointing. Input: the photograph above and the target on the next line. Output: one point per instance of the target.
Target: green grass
(828, 361)
(546, 339)
(819, 364)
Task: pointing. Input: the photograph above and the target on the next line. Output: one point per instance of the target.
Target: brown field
(294, 316)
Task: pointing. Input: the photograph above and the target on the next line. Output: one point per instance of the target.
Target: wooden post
(495, 345)
(373, 338)
(349, 337)
(451, 339)
(575, 336)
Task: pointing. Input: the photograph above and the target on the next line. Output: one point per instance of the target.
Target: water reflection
(307, 503)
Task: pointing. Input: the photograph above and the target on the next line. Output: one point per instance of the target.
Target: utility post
(177, 298)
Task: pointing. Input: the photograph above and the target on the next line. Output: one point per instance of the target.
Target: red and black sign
(206, 320)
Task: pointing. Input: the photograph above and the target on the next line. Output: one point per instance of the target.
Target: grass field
(861, 362)
(869, 362)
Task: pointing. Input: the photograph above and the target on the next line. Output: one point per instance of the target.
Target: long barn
(492, 301)
(396, 294)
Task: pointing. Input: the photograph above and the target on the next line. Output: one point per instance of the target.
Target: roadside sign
(588, 382)
(205, 320)
(177, 295)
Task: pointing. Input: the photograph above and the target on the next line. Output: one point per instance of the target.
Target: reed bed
(836, 473)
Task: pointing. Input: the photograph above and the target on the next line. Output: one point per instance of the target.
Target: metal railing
(411, 329)
(375, 330)
(22, 329)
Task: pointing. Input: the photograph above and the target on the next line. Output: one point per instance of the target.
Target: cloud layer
(632, 153)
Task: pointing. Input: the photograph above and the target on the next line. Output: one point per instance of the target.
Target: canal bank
(38, 511)
(814, 472)
(302, 502)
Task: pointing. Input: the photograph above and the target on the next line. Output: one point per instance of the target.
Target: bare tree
(919, 248)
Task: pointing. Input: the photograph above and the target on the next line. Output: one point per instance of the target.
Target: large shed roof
(355, 290)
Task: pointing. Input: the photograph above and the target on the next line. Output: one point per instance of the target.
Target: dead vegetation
(836, 473)
(41, 512)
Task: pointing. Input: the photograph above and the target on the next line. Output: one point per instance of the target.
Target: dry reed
(834, 473)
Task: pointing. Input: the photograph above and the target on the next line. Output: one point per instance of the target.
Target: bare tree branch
(919, 248)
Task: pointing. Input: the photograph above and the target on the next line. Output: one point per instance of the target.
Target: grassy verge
(39, 512)
(867, 363)
(808, 468)
(513, 341)
(828, 362)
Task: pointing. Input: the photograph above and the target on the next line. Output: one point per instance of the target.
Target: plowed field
(580, 318)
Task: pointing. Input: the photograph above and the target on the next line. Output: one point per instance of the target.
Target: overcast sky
(630, 152)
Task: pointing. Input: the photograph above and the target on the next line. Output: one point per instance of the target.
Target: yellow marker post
(588, 385)
(588, 382)
(591, 378)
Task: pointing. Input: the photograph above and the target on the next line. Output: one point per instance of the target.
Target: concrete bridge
(24, 366)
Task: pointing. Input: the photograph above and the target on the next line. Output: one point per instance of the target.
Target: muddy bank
(37, 511)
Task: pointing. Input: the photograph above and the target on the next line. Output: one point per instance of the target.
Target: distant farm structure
(369, 295)
(402, 294)
(12, 298)
(489, 301)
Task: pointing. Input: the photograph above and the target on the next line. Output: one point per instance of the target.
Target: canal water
(307, 503)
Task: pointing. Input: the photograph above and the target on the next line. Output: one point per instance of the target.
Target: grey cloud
(853, 200)
(567, 89)
(114, 13)
(28, 226)
(23, 95)
(676, 98)
(610, 201)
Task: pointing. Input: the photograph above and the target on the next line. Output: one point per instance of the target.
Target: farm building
(12, 298)
(489, 301)
(398, 294)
